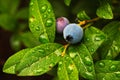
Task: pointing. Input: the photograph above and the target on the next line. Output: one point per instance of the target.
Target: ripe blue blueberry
(73, 33)
(61, 24)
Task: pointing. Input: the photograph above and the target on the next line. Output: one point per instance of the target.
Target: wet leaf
(39, 60)
(67, 2)
(83, 61)
(104, 11)
(93, 38)
(7, 22)
(42, 20)
(29, 40)
(108, 70)
(82, 15)
(111, 47)
(10, 64)
(67, 69)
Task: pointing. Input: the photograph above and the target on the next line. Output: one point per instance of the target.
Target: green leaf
(67, 69)
(39, 60)
(108, 70)
(10, 64)
(9, 6)
(42, 20)
(104, 11)
(67, 2)
(111, 47)
(93, 38)
(29, 40)
(7, 22)
(83, 61)
(82, 15)
(15, 42)
(25, 11)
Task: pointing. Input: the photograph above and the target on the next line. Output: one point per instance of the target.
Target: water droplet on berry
(101, 64)
(49, 22)
(44, 8)
(113, 67)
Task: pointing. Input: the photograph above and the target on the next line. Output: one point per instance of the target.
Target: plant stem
(65, 48)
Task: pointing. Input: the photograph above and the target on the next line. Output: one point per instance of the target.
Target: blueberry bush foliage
(96, 57)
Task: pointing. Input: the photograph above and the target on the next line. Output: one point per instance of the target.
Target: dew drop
(49, 10)
(58, 53)
(70, 67)
(49, 22)
(89, 75)
(41, 51)
(113, 67)
(43, 8)
(117, 74)
(97, 39)
(38, 71)
(92, 50)
(101, 64)
(88, 61)
(90, 69)
(45, 16)
(37, 28)
(88, 39)
(43, 38)
(60, 62)
(72, 54)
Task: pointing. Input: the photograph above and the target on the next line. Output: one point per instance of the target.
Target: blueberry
(73, 33)
(61, 23)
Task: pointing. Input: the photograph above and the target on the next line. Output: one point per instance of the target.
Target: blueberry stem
(87, 21)
(65, 48)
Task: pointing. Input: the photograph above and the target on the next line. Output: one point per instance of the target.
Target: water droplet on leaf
(37, 28)
(44, 8)
(113, 67)
(87, 61)
(117, 74)
(43, 38)
(90, 69)
(102, 64)
(70, 67)
(41, 51)
(38, 71)
(72, 54)
(97, 39)
(49, 22)
(45, 16)
(49, 10)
